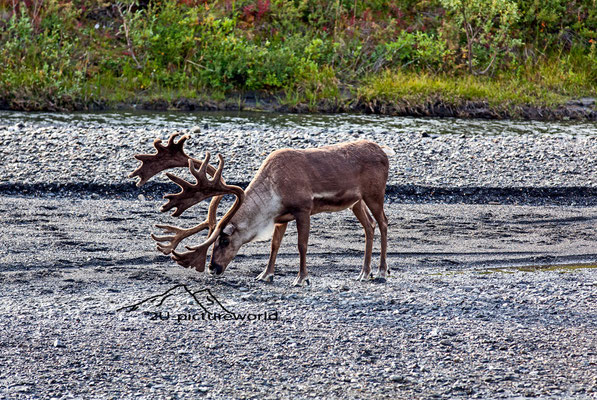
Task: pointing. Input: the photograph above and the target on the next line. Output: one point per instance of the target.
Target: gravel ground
(455, 320)
(465, 154)
(484, 300)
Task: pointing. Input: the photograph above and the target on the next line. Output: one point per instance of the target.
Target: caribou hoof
(301, 281)
(364, 276)
(265, 277)
(381, 277)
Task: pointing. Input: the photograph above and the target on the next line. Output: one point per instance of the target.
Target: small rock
(397, 378)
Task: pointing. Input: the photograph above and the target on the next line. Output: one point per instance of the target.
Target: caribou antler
(170, 156)
(193, 193)
(180, 233)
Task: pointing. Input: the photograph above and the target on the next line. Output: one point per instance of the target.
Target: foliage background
(74, 54)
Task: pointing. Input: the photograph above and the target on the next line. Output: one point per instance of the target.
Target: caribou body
(291, 185)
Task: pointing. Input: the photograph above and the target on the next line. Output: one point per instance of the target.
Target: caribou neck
(254, 220)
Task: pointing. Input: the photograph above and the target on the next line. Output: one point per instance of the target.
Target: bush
(419, 49)
(40, 62)
(486, 30)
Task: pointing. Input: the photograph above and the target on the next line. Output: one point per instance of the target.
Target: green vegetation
(314, 53)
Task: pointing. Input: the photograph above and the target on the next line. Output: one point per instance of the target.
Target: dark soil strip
(575, 196)
(580, 109)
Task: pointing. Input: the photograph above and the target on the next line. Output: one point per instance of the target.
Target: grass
(502, 91)
(550, 83)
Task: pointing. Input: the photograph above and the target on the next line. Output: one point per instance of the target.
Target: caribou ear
(229, 229)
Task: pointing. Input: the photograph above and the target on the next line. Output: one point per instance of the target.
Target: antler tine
(157, 143)
(178, 180)
(180, 233)
(199, 174)
(196, 258)
(218, 174)
(170, 156)
(193, 193)
(180, 142)
(204, 164)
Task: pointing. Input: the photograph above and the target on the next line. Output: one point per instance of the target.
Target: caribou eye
(224, 242)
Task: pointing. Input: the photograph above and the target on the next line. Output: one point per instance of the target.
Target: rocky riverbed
(485, 300)
(429, 152)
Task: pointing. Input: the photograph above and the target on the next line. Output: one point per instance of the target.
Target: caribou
(290, 185)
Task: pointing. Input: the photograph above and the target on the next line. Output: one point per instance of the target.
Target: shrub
(419, 49)
(486, 28)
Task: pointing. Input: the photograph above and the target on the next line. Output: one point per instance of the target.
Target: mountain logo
(211, 309)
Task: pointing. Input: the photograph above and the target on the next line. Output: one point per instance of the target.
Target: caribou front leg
(268, 273)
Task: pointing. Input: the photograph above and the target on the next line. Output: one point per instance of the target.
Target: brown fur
(311, 181)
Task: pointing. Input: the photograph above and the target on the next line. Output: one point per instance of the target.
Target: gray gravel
(97, 149)
(456, 319)
(484, 301)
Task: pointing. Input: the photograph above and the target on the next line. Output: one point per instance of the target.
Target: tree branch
(129, 43)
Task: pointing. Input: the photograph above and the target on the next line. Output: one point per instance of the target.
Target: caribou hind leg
(375, 205)
(360, 211)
